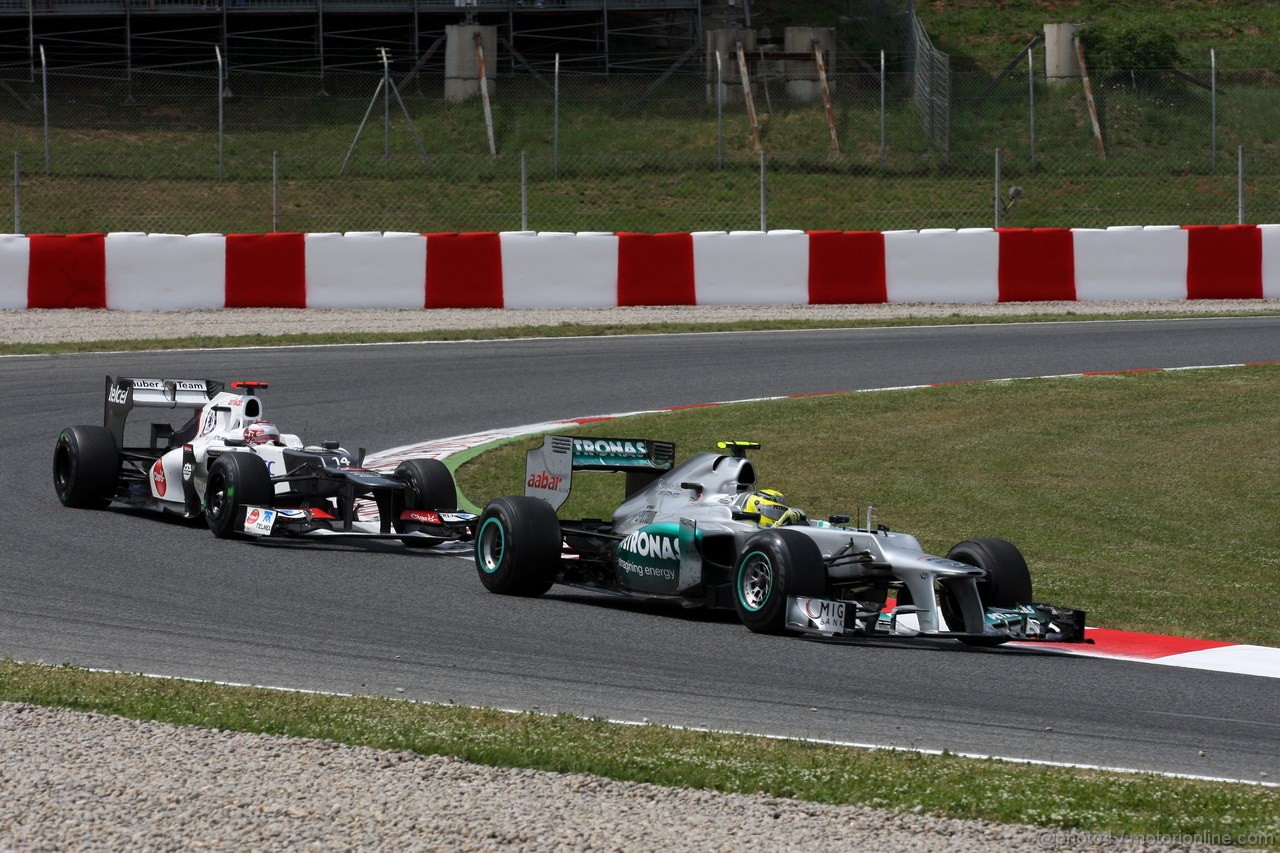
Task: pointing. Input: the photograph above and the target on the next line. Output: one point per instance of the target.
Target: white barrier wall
(1270, 261)
(165, 272)
(169, 272)
(751, 267)
(942, 265)
(556, 269)
(15, 260)
(366, 269)
(1131, 263)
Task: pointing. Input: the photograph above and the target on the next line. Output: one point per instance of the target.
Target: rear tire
(775, 564)
(518, 545)
(86, 467)
(431, 486)
(236, 480)
(1008, 580)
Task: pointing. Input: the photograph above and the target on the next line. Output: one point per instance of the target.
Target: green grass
(983, 35)
(631, 162)
(1144, 499)
(941, 784)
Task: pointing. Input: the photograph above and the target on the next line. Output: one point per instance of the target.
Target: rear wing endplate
(549, 468)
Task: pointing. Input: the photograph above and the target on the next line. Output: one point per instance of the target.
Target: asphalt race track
(121, 591)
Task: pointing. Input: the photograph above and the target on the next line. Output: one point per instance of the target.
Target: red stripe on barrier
(1224, 262)
(67, 271)
(266, 270)
(1037, 265)
(846, 268)
(464, 270)
(655, 269)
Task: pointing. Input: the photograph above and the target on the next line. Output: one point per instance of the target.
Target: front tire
(775, 564)
(1008, 580)
(518, 546)
(86, 467)
(431, 486)
(236, 480)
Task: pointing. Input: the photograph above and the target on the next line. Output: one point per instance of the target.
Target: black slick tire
(431, 486)
(775, 564)
(518, 546)
(236, 480)
(1008, 580)
(86, 467)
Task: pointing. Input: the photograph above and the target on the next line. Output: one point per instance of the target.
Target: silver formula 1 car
(232, 467)
(702, 534)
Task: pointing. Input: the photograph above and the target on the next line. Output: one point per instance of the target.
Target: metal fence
(250, 152)
(931, 80)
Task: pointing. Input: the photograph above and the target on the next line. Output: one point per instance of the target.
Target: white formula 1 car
(232, 467)
(702, 534)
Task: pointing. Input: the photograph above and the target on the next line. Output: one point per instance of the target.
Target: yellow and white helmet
(772, 508)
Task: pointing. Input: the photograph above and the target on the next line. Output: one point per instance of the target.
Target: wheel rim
(755, 581)
(491, 545)
(62, 471)
(219, 496)
(415, 491)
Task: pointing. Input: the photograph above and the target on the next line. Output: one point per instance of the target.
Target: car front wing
(425, 526)
(1046, 623)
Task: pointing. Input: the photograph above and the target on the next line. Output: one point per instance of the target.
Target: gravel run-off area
(79, 781)
(54, 325)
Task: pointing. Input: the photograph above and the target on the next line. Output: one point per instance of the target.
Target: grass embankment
(946, 784)
(634, 159)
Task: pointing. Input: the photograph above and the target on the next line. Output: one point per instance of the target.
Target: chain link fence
(191, 150)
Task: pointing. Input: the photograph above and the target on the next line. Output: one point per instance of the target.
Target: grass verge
(570, 330)
(943, 784)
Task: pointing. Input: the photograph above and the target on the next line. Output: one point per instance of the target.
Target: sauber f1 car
(700, 533)
(233, 468)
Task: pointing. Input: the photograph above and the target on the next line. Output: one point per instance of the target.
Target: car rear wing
(549, 468)
(125, 394)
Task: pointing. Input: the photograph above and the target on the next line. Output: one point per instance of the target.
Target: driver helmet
(771, 506)
(262, 432)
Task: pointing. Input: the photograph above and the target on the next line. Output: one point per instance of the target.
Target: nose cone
(939, 566)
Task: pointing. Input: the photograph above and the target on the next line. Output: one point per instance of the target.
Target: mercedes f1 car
(232, 467)
(700, 533)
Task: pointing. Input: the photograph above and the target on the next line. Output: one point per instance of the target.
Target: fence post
(275, 191)
(882, 108)
(44, 97)
(719, 113)
(524, 191)
(217, 51)
(386, 109)
(764, 198)
(1213, 108)
(17, 193)
(1031, 100)
(555, 125)
(1240, 185)
(996, 195)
